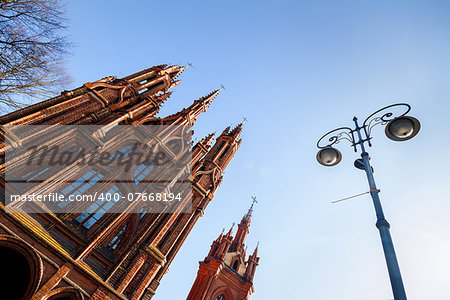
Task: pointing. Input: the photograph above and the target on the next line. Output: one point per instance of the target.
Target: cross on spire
(250, 210)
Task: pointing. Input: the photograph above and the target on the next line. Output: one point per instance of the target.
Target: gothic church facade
(100, 255)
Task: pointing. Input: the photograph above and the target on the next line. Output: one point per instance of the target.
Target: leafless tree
(32, 50)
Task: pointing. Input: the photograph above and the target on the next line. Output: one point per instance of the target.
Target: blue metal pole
(382, 225)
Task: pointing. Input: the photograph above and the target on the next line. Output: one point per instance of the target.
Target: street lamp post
(399, 127)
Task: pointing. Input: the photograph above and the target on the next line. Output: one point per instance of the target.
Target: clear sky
(296, 69)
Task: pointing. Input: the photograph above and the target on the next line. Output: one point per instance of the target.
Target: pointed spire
(236, 131)
(206, 141)
(230, 232)
(226, 130)
(207, 100)
(255, 252)
(174, 84)
(248, 216)
(180, 70)
(201, 105)
(173, 71)
(220, 237)
(190, 114)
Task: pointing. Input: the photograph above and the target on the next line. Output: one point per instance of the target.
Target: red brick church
(225, 274)
(98, 254)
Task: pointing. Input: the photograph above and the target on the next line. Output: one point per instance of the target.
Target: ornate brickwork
(119, 256)
(225, 274)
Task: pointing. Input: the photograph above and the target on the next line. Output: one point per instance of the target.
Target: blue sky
(296, 69)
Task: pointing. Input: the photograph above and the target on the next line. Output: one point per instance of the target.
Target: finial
(222, 87)
(223, 230)
(255, 252)
(250, 210)
(244, 120)
(189, 65)
(230, 232)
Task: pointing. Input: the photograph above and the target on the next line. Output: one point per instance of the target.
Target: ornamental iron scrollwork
(375, 118)
(335, 136)
(380, 117)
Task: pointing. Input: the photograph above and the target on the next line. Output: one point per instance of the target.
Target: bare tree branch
(32, 50)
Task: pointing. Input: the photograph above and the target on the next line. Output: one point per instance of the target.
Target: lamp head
(402, 128)
(328, 156)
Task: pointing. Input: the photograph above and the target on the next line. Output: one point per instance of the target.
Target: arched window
(20, 269)
(142, 212)
(17, 273)
(65, 293)
(123, 152)
(80, 185)
(141, 172)
(97, 209)
(235, 264)
(35, 173)
(220, 297)
(116, 240)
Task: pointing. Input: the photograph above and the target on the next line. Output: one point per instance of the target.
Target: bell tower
(226, 273)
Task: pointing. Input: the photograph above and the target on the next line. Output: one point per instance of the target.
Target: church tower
(225, 274)
(100, 254)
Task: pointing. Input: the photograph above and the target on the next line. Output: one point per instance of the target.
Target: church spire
(252, 263)
(188, 115)
(230, 232)
(248, 216)
(206, 141)
(229, 264)
(201, 148)
(236, 131)
(243, 229)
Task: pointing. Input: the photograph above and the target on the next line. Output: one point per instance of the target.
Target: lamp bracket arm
(335, 136)
(383, 116)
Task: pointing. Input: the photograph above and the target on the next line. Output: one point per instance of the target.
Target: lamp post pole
(399, 128)
(382, 224)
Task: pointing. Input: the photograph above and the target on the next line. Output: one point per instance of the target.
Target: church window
(116, 240)
(97, 209)
(235, 265)
(123, 152)
(220, 297)
(16, 272)
(141, 172)
(35, 173)
(142, 212)
(80, 185)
